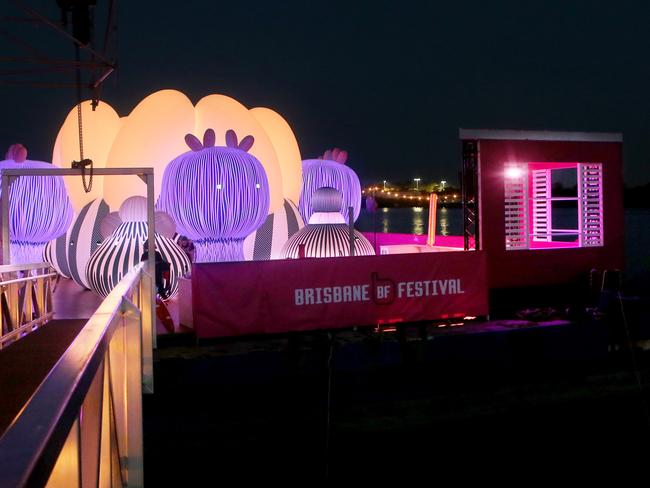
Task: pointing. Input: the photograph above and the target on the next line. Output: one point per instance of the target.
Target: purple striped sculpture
(39, 208)
(330, 171)
(216, 195)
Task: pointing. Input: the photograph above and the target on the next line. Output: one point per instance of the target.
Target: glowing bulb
(514, 172)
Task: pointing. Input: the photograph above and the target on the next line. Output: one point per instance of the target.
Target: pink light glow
(513, 172)
(390, 239)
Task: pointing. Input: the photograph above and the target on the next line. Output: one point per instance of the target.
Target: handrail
(84, 422)
(147, 296)
(27, 279)
(8, 268)
(25, 299)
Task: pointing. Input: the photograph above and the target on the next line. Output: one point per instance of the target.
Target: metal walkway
(26, 363)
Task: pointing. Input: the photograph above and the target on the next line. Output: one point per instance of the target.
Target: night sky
(391, 82)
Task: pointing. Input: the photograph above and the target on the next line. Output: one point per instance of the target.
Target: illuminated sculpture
(39, 208)
(152, 135)
(327, 235)
(122, 250)
(286, 149)
(330, 171)
(216, 195)
(70, 253)
(267, 241)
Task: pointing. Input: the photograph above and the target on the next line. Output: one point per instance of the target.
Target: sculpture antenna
(193, 142)
(209, 138)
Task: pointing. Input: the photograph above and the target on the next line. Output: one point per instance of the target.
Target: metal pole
(149, 336)
(351, 225)
(6, 245)
(433, 208)
(133, 385)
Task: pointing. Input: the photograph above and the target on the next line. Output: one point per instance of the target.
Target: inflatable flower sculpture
(330, 170)
(152, 134)
(216, 195)
(39, 208)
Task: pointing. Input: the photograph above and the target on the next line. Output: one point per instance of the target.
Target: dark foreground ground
(419, 406)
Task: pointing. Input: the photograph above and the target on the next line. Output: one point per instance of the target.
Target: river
(414, 220)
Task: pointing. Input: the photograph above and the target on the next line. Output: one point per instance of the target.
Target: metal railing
(7, 176)
(83, 425)
(25, 299)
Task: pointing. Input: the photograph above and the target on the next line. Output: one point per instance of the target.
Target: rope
(88, 186)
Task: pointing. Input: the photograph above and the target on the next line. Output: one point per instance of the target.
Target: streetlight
(443, 183)
(417, 183)
(384, 184)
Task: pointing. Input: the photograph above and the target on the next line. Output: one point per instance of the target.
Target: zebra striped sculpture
(327, 235)
(123, 249)
(267, 241)
(70, 253)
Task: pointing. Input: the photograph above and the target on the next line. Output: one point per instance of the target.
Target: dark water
(411, 221)
(450, 222)
(637, 247)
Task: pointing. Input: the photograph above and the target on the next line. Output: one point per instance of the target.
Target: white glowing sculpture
(153, 134)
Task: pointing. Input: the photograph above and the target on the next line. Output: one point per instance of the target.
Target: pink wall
(258, 297)
(547, 266)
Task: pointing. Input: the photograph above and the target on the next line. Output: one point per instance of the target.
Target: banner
(231, 299)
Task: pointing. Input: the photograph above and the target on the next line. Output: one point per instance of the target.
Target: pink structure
(532, 235)
(520, 234)
(231, 299)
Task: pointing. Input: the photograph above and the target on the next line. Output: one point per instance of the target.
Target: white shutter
(542, 214)
(516, 203)
(590, 196)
